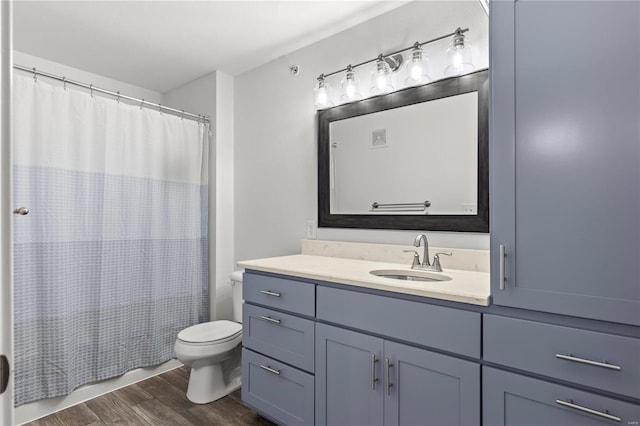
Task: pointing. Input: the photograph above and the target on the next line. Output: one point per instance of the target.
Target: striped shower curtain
(111, 262)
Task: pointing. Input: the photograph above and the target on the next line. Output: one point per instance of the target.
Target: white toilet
(212, 350)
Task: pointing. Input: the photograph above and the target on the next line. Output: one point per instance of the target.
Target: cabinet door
(565, 164)
(348, 380)
(429, 389)
(510, 399)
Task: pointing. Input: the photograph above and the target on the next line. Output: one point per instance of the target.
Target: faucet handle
(416, 258)
(436, 260)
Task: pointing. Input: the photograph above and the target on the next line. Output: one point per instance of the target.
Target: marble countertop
(465, 286)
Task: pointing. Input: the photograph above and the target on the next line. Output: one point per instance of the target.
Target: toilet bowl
(212, 351)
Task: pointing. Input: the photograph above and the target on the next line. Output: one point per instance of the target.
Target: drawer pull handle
(605, 415)
(502, 266)
(570, 357)
(273, 320)
(387, 367)
(269, 369)
(374, 379)
(270, 293)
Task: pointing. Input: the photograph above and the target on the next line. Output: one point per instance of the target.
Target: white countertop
(465, 286)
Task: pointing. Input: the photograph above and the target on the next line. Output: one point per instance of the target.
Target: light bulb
(417, 67)
(322, 93)
(459, 53)
(350, 85)
(381, 77)
(416, 71)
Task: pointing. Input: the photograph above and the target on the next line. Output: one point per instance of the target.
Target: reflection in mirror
(413, 159)
(418, 159)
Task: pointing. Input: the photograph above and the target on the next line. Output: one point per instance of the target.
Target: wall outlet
(312, 231)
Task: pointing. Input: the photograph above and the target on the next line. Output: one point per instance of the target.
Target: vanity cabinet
(565, 170)
(361, 379)
(364, 379)
(278, 335)
(511, 399)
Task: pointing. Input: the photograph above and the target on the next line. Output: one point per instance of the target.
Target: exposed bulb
(459, 53)
(381, 77)
(350, 86)
(322, 93)
(417, 67)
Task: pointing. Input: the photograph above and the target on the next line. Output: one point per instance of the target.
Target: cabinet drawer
(509, 399)
(449, 329)
(281, 392)
(281, 293)
(580, 356)
(285, 337)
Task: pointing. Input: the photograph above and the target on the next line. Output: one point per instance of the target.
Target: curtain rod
(117, 95)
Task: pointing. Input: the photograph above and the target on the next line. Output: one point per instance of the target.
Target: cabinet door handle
(502, 255)
(570, 357)
(269, 369)
(387, 373)
(273, 320)
(605, 415)
(270, 293)
(374, 379)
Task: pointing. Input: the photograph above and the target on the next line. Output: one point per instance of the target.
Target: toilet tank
(236, 288)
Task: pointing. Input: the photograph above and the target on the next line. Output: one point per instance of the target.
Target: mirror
(412, 159)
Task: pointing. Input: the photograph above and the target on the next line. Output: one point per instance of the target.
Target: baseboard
(37, 409)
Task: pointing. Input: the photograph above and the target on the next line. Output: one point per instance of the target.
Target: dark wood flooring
(160, 400)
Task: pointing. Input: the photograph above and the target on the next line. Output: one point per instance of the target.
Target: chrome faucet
(425, 265)
(425, 250)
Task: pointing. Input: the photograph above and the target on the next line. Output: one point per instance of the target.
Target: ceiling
(160, 45)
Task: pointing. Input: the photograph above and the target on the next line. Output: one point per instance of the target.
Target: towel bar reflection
(400, 207)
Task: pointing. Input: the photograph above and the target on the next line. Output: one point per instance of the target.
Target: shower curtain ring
(64, 82)
(182, 115)
(35, 75)
(141, 103)
(118, 98)
(160, 108)
(91, 89)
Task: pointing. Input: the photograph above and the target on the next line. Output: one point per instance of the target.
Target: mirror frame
(477, 81)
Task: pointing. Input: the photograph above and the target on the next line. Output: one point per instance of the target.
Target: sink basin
(410, 275)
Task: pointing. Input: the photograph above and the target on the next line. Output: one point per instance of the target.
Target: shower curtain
(111, 262)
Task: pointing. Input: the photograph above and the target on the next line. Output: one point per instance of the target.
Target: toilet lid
(210, 331)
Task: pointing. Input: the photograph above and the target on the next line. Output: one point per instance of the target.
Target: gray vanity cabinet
(348, 377)
(429, 389)
(511, 399)
(565, 170)
(361, 379)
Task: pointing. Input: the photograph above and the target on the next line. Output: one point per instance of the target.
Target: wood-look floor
(160, 400)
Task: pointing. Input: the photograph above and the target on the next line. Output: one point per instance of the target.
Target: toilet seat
(210, 333)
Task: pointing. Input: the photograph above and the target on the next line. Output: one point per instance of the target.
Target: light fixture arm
(457, 32)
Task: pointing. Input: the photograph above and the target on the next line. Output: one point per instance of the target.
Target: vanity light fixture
(417, 67)
(350, 86)
(322, 93)
(459, 54)
(385, 65)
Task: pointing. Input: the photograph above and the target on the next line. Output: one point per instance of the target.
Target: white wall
(224, 194)
(71, 73)
(212, 95)
(275, 130)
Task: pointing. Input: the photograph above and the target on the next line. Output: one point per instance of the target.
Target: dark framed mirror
(415, 159)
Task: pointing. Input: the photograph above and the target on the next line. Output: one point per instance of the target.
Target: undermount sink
(412, 275)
